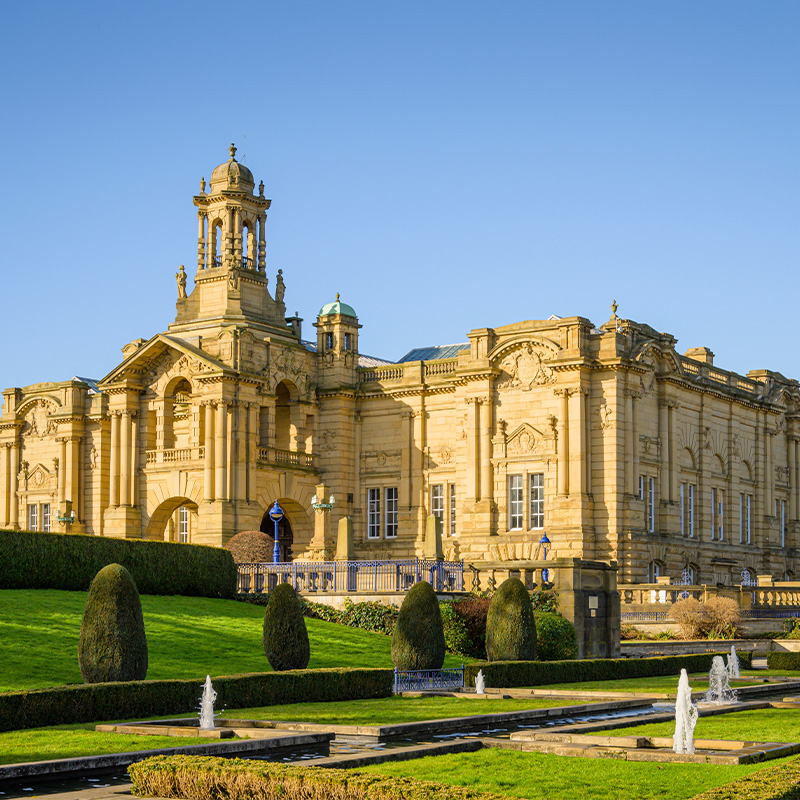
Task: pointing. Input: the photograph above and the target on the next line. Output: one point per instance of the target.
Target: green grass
(71, 741)
(659, 683)
(535, 775)
(187, 637)
(758, 725)
(388, 710)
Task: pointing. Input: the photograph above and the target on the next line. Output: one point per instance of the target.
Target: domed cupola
(232, 176)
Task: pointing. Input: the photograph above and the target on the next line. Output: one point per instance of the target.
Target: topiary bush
(510, 626)
(285, 636)
(112, 644)
(418, 639)
(556, 639)
(251, 547)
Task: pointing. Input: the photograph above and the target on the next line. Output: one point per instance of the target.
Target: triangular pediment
(159, 355)
(524, 439)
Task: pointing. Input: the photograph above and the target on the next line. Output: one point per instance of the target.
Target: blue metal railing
(644, 616)
(309, 577)
(427, 680)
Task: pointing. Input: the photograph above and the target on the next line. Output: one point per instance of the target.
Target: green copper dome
(337, 308)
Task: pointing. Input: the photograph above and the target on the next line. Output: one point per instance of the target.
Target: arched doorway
(285, 535)
(175, 520)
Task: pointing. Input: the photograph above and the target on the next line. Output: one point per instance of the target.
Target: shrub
(778, 782)
(456, 638)
(30, 560)
(782, 659)
(285, 636)
(472, 612)
(545, 600)
(208, 778)
(138, 699)
(556, 639)
(321, 611)
(539, 673)
(717, 618)
(370, 616)
(251, 547)
(510, 626)
(418, 639)
(112, 644)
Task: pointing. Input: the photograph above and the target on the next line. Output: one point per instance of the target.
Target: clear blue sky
(443, 165)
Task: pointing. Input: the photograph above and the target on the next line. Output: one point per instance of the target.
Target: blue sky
(443, 165)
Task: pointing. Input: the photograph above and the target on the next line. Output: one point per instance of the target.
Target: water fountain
(733, 664)
(685, 717)
(207, 706)
(480, 685)
(719, 685)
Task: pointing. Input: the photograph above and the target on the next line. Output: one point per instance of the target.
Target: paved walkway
(117, 791)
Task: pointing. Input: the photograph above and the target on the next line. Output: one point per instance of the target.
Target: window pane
(374, 513)
(391, 512)
(452, 509)
(537, 500)
(437, 501)
(515, 502)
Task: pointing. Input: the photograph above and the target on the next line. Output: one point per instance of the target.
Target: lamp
(545, 543)
(317, 506)
(276, 515)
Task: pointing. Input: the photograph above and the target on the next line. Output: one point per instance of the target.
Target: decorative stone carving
(36, 421)
(605, 413)
(526, 368)
(93, 458)
(445, 454)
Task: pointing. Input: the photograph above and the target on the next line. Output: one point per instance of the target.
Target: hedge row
(30, 560)
(779, 782)
(138, 699)
(539, 673)
(783, 660)
(208, 778)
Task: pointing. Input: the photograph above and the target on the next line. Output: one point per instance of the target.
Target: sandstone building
(608, 438)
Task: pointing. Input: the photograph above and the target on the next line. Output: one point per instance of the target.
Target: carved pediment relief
(379, 460)
(40, 478)
(525, 367)
(36, 418)
(525, 440)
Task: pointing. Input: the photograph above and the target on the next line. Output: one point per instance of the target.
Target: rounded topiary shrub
(251, 547)
(112, 644)
(556, 639)
(510, 626)
(418, 639)
(285, 636)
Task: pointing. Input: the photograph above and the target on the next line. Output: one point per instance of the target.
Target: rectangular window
(713, 514)
(536, 510)
(720, 514)
(390, 496)
(515, 502)
(437, 501)
(373, 513)
(33, 518)
(745, 504)
(183, 525)
(452, 509)
(641, 487)
(651, 505)
(748, 503)
(45, 516)
(329, 341)
(348, 340)
(683, 508)
(780, 513)
(690, 512)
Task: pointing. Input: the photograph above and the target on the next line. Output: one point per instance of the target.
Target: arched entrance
(175, 520)
(285, 535)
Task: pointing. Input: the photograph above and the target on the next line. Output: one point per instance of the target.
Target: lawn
(388, 710)
(758, 725)
(71, 741)
(187, 637)
(535, 775)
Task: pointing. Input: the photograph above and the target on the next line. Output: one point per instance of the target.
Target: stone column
(134, 462)
(576, 438)
(769, 471)
(262, 243)
(125, 459)
(587, 439)
(210, 233)
(231, 489)
(672, 433)
(634, 451)
(74, 477)
(484, 411)
(663, 437)
(201, 240)
(113, 481)
(13, 474)
(220, 454)
(418, 486)
(297, 428)
(237, 235)
(62, 465)
(562, 460)
(630, 482)
(791, 456)
(473, 456)
(208, 456)
(229, 234)
(252, 450)
(5, 465)
(406, 484)
(357, 465)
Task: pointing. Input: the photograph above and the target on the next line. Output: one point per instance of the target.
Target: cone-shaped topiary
(285, 636)
(112, 644)
(418, 639)
(510, 626)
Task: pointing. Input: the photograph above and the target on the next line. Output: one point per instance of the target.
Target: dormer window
(329, 341)
(348, 341)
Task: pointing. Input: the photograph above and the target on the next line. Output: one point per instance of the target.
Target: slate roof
(434, 353)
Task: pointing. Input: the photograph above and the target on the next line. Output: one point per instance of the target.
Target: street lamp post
(276, 515)
(545, 543)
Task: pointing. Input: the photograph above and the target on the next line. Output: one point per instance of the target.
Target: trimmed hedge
(209, 778)
(507, 674)
(31, 560)
(139, 699)
(782, 660)
(778, 782)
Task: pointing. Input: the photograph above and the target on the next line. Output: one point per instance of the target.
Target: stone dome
(232, 175)
(337, 307)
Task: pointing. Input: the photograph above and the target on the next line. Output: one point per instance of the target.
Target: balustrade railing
(700, 371)
(393, 372)
(291, 458)
(310, 577)
(440, 367)
(428, 680)
(175, 455)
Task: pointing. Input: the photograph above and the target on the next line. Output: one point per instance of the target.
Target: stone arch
(718, 464)
(294, 530)
(747, 470)
(286, 395)
(159, 526)
(687, 459)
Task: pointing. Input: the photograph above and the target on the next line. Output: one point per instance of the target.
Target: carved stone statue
(180, 277)
(280, 287)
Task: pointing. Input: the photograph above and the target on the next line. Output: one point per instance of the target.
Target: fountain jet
(207, 706)
(685, 717)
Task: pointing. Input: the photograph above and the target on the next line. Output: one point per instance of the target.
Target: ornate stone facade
(621, 448)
